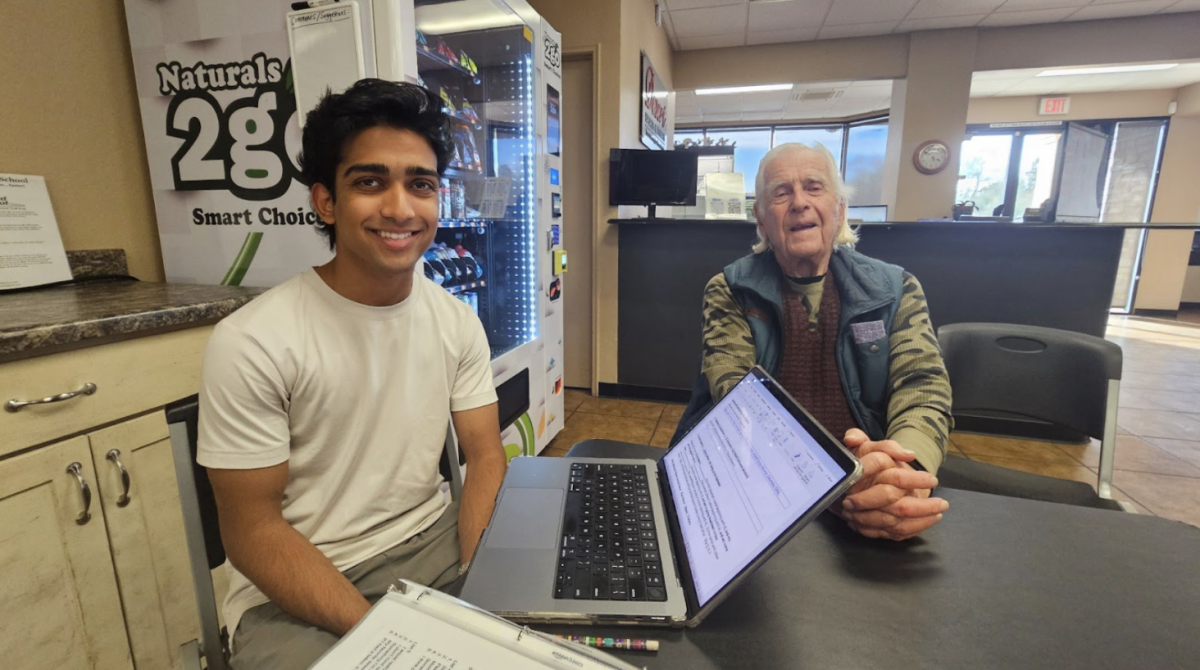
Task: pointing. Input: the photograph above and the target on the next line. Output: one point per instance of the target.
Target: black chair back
(187, 412)
(1051, 375)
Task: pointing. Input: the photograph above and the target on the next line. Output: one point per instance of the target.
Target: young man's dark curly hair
(339, 117)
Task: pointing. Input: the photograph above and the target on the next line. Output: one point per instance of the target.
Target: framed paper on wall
(654, 107)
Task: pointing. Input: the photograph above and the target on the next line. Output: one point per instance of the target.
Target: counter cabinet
(91, 530)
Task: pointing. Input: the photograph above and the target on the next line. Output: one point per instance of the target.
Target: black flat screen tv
(649, 178)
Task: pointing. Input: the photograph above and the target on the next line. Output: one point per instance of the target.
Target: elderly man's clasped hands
(891, 500)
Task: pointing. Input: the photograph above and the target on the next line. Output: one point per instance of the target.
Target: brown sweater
(808, 369)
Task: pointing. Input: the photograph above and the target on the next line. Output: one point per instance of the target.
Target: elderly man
(848, 336)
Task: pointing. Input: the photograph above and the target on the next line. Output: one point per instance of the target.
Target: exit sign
(1049, 106)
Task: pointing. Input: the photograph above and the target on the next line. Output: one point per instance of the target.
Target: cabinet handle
(15, 405)
(114, 455)
(84, 516)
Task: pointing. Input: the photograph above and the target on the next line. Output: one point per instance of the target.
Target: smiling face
(798, 213)
(385, 210)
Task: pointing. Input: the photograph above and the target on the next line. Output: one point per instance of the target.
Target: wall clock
(931, 157)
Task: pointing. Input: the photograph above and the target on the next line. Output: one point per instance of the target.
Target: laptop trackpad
(527, 519)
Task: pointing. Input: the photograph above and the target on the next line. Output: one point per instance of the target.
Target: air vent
(817, 95)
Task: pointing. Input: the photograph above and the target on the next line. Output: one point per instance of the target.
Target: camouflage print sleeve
(728, 347)
(919, 387)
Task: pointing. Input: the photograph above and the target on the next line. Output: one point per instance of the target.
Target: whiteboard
(327, 53)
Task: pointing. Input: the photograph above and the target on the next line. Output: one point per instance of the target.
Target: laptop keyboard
(609, 538)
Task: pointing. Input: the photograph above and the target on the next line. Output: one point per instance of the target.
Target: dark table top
(1000, 583)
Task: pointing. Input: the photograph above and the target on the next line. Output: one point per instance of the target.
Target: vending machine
(223, 87)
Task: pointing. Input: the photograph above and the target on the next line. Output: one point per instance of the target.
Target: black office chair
(200, 521)
(1022, 373)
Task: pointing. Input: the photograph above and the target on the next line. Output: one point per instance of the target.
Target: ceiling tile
(868, 11)
(1021, 5)
(1027, 17)
(866, 92)
(858, 30)
(985, 75)
(1183, 6)
(929, 9)
(711, 21)
(762, 116)
(711, 41)
(778, 36)
(673, 5)
(669, 27)
(992, 86)
(1119, 10)
(912, 25)
(872, 83)
(722, 118)
(788, 13)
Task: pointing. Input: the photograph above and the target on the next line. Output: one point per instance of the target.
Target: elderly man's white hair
(846, 236)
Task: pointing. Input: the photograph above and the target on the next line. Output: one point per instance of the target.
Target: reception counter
(1044, 274)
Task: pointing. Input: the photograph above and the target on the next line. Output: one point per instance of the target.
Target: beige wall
(1116, 105)
(1188, 98)
(1176, 200)
(1146, 38)
(69, 112)
(883, 57)
(934, 98)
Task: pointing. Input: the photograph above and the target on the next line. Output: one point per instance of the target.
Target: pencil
(613, 642)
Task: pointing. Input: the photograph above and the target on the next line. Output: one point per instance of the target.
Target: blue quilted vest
(869, 290)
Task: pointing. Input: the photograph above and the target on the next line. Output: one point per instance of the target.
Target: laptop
(639, 542)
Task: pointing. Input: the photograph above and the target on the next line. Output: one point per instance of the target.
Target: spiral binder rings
(414, 626)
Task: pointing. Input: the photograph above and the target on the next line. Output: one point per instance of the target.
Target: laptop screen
(740, 478)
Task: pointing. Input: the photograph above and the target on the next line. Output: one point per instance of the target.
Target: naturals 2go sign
(240, 147)
(654, 107)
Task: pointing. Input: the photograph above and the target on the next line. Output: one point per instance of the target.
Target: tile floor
(1158, 446)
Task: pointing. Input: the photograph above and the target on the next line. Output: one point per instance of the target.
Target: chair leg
(1108, 445)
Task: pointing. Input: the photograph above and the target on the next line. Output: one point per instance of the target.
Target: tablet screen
(740, 478)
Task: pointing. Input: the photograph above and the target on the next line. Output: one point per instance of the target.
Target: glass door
(984, 172)
(1035, 173)
(477, 56)
(1129, 194)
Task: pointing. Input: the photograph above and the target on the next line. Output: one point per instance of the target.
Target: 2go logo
(552, 54)
(244, 148)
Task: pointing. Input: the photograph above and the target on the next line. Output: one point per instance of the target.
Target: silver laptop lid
(747, 477)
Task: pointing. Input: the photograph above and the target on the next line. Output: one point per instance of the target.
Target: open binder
(414, 626)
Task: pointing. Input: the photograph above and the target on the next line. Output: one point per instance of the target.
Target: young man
(325, 402)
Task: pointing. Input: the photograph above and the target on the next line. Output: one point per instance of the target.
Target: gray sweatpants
(268, 638)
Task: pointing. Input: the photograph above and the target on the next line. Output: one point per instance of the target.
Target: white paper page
(31, 250)
(395, 636)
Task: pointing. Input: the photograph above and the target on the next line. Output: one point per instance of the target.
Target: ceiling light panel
(732, 90)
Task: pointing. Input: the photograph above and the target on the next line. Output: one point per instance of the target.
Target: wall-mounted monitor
(649, 178)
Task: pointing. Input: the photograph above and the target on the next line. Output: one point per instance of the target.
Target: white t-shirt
(356, 399)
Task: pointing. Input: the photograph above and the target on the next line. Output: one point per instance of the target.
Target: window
(983, 172)
(752, 145)
(1035, 176)
(866, 147)
(830, 137)
(861, 164)
(696, 136)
